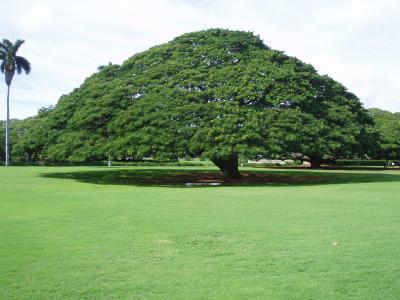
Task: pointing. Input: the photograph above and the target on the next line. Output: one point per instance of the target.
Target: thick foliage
(215, 93)
(388, 125)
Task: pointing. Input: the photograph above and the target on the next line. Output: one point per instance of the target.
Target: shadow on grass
(202, 178)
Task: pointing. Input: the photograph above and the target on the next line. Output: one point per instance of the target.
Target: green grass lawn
(105, 233)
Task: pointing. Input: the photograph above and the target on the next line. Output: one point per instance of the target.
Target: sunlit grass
(94, 232)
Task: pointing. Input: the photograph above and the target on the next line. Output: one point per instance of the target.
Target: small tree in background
(388, 126)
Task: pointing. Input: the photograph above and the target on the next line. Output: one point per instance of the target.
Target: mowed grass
(103, 233)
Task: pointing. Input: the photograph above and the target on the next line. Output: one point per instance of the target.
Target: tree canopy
(388, 126)
(218, 94)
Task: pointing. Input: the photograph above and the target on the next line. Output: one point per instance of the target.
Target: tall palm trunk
(9, 77)
(8, 128)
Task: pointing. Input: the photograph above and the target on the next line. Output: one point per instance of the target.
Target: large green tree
(217, 93)
(11, 63)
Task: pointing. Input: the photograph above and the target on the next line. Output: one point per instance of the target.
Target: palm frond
(21, 63)
(16, 46)
(19, 69)
(9, 60)
(2, 66)
(6, 44)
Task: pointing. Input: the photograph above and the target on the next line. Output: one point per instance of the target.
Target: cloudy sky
(357, 42)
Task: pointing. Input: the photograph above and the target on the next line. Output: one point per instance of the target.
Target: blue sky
(355, 42)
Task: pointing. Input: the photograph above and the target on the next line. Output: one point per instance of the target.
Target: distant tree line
(216, 94)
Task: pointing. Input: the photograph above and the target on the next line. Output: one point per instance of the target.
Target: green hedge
(194, 163)
(361, 162)
(171, 163)
(271, 165)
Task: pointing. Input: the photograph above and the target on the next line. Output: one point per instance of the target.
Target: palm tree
(11, 62)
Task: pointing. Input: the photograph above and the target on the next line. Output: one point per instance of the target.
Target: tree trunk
(9, 75)
(228, 165)
(7, 150)
(315, 163)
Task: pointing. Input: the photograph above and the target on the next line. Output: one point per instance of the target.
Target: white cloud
(355, 41)
(33, 19)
